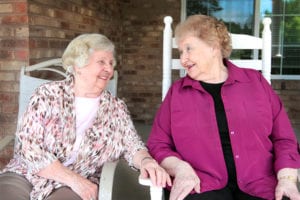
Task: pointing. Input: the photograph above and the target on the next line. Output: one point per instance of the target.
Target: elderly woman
(222, 132)
(71, 128)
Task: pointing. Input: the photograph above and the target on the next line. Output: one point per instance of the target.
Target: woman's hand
(288, 188)
(287, 184)
(86, 189)
(185, 180)
(80, 185)
(150, 168)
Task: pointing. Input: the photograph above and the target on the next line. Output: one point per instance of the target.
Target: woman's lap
(221, 194)
(64, 193)
(14, 186)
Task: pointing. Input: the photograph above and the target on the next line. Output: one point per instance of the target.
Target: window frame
(256, 33)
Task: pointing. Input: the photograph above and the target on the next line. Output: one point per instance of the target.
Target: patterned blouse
(47, 133)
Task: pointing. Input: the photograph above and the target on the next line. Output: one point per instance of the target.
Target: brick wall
(289, 92)
(141, 69)
(54, 23)
(14, 53)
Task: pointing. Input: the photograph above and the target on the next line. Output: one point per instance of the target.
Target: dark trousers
(222, 194)
(16, 187)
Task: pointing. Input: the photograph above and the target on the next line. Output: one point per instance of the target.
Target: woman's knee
(65, 193)
(14, 186)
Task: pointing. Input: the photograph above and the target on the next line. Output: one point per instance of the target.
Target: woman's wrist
(144, 159)
(288, 174)
(288, 177)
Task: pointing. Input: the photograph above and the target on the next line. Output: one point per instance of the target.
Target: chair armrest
(156, 193)
(107, 180)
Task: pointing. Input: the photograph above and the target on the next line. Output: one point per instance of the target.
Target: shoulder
(53, 87)
(113, 101)
(183, 82)
(241, 74)
(53, 93)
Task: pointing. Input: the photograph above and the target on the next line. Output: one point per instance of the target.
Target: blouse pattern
(47, 133)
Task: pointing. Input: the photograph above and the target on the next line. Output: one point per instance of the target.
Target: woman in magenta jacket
(222, 132)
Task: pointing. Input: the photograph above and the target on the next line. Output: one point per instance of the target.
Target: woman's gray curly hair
(208, 29)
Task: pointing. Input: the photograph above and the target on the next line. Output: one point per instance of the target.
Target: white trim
(183, 10)
(256, 19)
(256, 25)
(285, 77)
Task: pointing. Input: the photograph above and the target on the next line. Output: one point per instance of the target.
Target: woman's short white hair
(79, 49)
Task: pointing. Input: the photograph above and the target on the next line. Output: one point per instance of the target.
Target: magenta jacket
(261, 135)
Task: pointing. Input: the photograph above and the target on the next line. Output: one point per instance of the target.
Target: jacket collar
(235, 74)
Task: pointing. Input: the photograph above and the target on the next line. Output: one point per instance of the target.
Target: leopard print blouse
(47, 133)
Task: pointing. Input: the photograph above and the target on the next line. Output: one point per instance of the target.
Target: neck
(83, 90)
(218, 73)
(87, 94)
(216, 76)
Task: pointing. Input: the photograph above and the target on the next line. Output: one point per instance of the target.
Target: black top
(214, 89)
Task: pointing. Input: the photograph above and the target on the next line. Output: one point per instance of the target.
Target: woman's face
(196, 56)
(99, 70)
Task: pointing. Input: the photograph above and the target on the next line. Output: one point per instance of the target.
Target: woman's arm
(82, 186)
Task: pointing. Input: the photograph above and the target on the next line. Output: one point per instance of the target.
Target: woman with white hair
(71, 128)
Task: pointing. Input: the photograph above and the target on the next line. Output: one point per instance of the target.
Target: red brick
(20, 7)
(14, 43)
(7, 97)
(21, 54)
(17, 19)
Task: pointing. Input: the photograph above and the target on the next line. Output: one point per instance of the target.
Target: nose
(108, 67)
(184, 57)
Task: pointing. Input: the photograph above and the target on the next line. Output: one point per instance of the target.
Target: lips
(103, 77)
(188, 67)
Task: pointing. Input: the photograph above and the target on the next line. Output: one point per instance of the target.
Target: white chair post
(107, 181)
(112, 85)
(266, 54)
(156, 193)
(167, 53)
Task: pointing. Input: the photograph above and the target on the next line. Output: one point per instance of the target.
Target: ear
(216, 50)
(77, 70)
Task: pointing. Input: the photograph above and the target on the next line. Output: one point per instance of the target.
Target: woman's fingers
(159, 177)
(183, 186)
